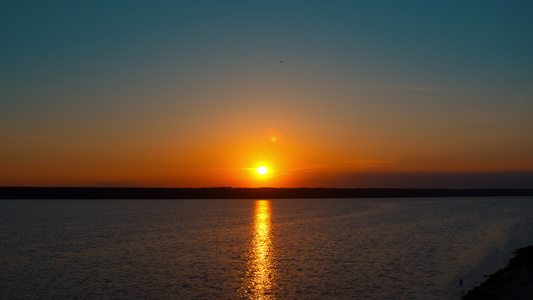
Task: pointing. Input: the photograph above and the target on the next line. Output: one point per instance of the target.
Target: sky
(322, 93)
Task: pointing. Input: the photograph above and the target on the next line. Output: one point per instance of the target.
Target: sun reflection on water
(259, 281)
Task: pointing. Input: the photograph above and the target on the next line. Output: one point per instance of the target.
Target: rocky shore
(515, 281)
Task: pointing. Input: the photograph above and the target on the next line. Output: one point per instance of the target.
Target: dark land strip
(244, 193)
(515, 281)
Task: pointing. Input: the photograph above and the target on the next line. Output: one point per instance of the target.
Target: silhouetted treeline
(243, 193)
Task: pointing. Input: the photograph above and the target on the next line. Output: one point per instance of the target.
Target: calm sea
(257, 249)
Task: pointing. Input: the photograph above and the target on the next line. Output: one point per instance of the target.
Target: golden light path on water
(260, 271)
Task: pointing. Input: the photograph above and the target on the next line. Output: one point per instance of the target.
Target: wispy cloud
(310, 168)
(114, 184)
(24, 138)
(353, 165)
(411, 88)
(366, 162)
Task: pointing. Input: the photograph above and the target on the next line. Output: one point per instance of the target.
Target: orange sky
(231, 159)
(185, 95)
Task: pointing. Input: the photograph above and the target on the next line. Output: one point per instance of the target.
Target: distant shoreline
(244, 193)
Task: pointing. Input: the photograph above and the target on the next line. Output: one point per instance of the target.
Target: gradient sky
(190, 93)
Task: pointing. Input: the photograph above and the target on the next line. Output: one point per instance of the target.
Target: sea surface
(410, 248)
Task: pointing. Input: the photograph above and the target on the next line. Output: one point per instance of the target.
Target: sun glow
(262, 170)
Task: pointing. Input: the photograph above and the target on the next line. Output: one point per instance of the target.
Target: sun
(262, 170)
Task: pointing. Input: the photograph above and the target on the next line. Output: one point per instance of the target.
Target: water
(257, 249)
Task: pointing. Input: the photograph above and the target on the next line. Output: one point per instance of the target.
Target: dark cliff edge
(244, 193)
